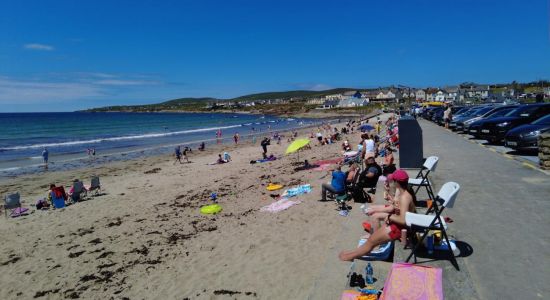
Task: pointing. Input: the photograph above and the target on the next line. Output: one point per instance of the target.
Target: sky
(69, 55)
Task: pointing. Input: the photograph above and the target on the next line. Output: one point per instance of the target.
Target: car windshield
(501, 112)
(461, 111)
(542, 121)
(524, 111)
(482, 111)
(469, 112)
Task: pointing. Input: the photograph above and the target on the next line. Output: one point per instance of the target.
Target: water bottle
(430, 244)
(369, 274)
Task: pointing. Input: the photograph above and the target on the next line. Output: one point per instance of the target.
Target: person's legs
(324, 188)
(376, 219)
(379, 237)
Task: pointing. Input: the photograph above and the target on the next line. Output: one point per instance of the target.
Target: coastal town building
(420, 95)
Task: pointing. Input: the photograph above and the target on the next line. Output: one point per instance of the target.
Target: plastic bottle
(369, 274)
(430, 244)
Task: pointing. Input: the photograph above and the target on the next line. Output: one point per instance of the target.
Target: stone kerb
(544, 151)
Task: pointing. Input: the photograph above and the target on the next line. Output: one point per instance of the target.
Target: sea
(118, 136)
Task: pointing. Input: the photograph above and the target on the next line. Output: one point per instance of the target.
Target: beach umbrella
(366, 127)
(297, 145)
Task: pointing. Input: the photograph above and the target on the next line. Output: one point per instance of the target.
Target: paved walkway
(502, 212)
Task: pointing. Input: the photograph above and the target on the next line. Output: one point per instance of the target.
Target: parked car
(495, 129)
(475, 115)
(475, 127)
(526, 137)
(462, 116)
(428, 112)
(438, 116)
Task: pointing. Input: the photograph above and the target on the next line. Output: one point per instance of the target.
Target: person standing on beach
(265, 142)
(185, 150)
(45, 155)
(219, 136)
(177, 154)
(236, 138)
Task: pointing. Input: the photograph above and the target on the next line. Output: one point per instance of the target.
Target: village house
(420, 95)
(353, 102)
(478, 91)
(331, 104)
(334, 97)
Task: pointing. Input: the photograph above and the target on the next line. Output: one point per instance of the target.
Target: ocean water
(116, 136)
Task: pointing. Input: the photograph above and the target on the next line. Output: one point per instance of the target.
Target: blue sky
(67, 55)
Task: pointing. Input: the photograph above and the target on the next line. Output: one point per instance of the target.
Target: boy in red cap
(393, 217)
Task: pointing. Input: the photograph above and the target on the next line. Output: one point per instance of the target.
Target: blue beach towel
(299, 190)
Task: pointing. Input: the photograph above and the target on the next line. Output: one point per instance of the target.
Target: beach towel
(279, 205)
(20, 211)
(326, 164)
(350, 295)
(299, 190)
(413, 282)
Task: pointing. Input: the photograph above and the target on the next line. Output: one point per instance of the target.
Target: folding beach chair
(422, 179)
(11, 201)
(94, 185)
(77, 191)
(424, 223)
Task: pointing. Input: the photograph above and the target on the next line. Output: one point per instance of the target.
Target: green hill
(200, 104)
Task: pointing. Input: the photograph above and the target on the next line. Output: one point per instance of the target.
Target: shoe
(353, 280)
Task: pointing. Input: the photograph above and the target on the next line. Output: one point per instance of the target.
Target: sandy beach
(144, 237)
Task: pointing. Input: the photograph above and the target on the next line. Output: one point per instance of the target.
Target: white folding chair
(424, 223)
(422, 179)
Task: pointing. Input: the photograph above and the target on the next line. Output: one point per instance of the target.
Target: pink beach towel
(324, 165)
(413, 282)
(279, 205)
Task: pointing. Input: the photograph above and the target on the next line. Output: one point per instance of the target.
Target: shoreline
(87, 167)
(72, 160)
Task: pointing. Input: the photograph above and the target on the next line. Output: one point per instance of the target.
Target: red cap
(399, 175)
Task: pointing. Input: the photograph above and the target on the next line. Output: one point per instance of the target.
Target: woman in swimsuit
(393, 223)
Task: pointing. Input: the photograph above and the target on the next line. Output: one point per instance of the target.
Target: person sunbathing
(393, 223)
(221, 160)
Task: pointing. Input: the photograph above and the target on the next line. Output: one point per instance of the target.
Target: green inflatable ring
(211, 209)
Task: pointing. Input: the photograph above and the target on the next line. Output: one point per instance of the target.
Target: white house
(479, 91)
(334, 97)
(420, 95)
(440, 95)
(353, 102)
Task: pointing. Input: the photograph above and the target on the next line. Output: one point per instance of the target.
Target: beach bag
(359, 195)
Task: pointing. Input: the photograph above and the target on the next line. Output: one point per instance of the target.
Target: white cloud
(314, 86)
(40, 47)
(31, 92)
(121, 82)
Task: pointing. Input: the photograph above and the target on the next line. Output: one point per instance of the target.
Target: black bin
(410, 143)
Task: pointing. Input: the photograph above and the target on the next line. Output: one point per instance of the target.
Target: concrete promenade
(501, 212)
(501, 215)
